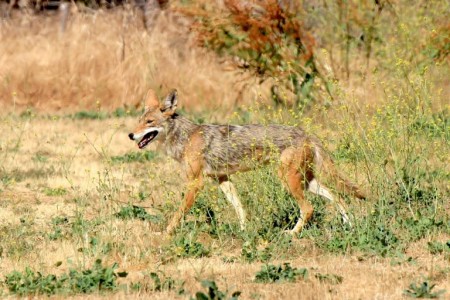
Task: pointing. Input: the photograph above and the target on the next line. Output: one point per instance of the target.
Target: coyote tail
(323, 164)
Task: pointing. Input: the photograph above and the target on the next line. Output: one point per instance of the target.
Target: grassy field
(82, 210)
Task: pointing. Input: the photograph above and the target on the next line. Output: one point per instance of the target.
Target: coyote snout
(152, 122)
(217, 151)
(145, 137)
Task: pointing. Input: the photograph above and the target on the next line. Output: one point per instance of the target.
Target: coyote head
(152, 124)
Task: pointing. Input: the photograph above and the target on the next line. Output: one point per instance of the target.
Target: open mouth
(146, 139)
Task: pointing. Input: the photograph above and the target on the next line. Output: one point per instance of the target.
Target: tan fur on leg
(229, 190)
(316, 188)
(295, 170)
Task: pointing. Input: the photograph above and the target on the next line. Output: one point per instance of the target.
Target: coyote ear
(151, 100)
(171, 101)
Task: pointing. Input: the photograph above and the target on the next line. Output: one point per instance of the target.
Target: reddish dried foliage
(440, 42)
(268, 22)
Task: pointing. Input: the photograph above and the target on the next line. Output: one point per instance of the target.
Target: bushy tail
(324, 166)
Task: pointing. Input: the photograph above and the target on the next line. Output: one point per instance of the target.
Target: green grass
(281, 273)
(214, 293)
(423, 290)
(436, 247)
(136, 212)
(329, 278)
(140, 156)
(97, 279)
(55, 192)
(102, 115)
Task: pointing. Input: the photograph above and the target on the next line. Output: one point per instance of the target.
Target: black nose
(131, 136)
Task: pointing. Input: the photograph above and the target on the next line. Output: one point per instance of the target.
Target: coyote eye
(149, 121)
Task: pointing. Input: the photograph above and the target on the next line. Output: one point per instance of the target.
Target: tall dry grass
(105, 58)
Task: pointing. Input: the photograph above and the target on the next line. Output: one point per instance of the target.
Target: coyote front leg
(194, 185)
(194, 168)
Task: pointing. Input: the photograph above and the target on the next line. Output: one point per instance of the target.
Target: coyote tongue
(147, 139)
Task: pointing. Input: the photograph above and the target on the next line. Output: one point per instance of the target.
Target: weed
(329, 278)
(79, 225)
(55, 235)
(27, 114)
(53, 192)
(141, 156)
(424, 290)
(101, 115)
(277, 274)
(98, 278)
(437, 125)
(121, 112)
(6, 178)
(160, 282)
(19, 240)
(89, 115)
(136, 212)
(439, 248)
(185, 245)
(250, 253)
(59, 225)
(403, 259)
(166, 283)
(40, 158)
(214, 293)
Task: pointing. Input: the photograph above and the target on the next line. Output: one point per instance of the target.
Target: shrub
(29, 282)
(285, 273)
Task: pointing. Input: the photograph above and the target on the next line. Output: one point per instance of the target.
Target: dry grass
(105, 59)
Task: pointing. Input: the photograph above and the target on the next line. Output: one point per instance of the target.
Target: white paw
(346, 220)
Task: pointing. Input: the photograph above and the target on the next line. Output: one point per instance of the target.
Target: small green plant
(29, 282)
(187, 246)
(19, 239)
(58, 225)
(439, 248)
(89, 115)
(102, 115)
(424, 290)
(54, 192)
(280, 273)
(136, 212)
(214, 293)
(141, 156)
(40, 158)
(329, 278)
(251, 253)
(122, 112)
(160, 282)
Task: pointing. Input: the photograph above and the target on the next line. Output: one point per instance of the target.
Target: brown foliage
(268, 22)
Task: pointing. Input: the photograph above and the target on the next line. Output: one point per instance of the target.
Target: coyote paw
(290, 232)
(346, 220)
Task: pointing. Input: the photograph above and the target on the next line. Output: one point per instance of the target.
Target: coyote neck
(178, 133)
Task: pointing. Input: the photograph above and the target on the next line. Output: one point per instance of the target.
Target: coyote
(218, 151)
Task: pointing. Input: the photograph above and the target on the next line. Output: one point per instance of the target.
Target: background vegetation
(81, 209)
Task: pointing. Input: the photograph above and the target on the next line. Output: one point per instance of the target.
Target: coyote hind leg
(296, 172)
(229, 190)
(316, 188)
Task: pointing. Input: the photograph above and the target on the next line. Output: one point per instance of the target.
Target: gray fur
(231, 148)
